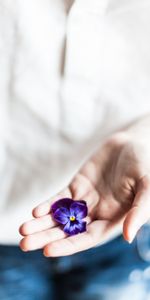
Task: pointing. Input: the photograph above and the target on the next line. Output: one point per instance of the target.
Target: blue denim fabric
(114, 271)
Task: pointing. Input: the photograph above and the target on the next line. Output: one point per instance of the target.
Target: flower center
(72, 218)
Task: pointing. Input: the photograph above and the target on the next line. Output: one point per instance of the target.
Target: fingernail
(130, 241)
(131, 238)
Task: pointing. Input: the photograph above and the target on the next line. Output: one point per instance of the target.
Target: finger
(36, 225)
(80, 186)
(139, 213)
(98, 232)
(40, 239)
(44, 208)
(83, 189)
(80, 191)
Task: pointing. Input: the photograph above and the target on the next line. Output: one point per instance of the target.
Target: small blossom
(70, 214)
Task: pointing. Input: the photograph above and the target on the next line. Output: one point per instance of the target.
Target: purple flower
(70, 214)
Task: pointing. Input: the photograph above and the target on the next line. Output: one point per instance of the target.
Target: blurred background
(71, 74)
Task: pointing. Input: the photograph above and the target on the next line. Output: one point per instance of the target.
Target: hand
(115, 183)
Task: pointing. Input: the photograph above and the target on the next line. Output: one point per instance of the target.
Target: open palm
(114, 183)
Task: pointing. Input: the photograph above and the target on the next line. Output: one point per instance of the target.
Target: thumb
(139, 213)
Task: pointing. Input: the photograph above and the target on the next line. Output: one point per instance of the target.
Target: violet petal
(61, 215)
(64, 202)
(72, 228)
(79, 209)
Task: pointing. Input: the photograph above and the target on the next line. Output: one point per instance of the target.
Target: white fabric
(71, 72)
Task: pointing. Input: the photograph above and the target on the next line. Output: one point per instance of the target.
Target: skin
(115, 182)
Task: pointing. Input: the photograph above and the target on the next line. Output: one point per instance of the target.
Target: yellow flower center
(72, 218)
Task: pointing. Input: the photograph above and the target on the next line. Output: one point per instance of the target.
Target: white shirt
(71, 72)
